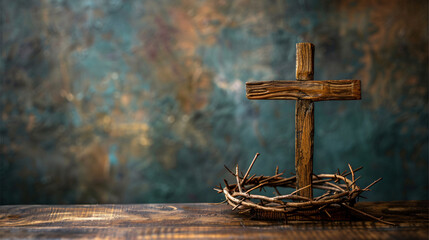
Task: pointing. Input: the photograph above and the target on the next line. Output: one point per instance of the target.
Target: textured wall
(143, 101)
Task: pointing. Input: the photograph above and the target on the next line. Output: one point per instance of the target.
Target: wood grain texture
(304, 122)
(304, 135)
(202, 221)
(304, 61)
(305, 90)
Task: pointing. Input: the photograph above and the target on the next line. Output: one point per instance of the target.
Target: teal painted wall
(129, 101)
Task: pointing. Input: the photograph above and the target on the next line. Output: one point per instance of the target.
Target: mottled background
(129, 101)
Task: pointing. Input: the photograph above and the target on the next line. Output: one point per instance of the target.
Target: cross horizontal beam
(304, 90)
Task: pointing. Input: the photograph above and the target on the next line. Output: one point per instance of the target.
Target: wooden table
(202, 221)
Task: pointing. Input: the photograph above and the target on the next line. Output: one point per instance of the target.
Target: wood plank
(304, 61)
(304, 139)
(202, 221)
(304, 122)
(308, 90)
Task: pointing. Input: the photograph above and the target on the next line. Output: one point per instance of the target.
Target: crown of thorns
(339, 191)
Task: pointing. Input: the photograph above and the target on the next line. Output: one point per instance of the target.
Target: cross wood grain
(304, 90)
(304, 121)
(304, 139)
(202, 221)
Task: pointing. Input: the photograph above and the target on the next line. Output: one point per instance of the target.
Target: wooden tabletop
(202, 221)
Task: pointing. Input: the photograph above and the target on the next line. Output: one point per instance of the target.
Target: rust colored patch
(393, 26)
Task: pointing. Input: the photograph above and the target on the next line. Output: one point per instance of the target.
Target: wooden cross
(305, 91)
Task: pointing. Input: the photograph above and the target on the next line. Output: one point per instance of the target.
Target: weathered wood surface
(304, 61)
(304, 121)
(309, 90)
(304, 139)
(202, 221)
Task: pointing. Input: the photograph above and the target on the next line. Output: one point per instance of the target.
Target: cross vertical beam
(304, 122)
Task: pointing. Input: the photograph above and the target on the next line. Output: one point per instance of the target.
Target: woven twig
(339, 191)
